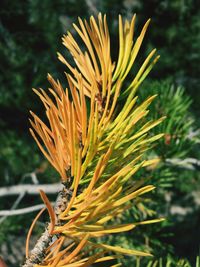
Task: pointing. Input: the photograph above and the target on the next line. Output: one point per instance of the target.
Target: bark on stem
(38, 253)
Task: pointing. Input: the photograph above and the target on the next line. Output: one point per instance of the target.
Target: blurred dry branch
(21, 211)
(29, 189)
(187, 163)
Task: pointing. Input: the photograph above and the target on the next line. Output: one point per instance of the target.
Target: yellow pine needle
(76, 184)
(116, 95)
(95, 176)
(75, 264)
(76, 102)
(106, 105)
(141, 73)
(121, 117)
(147, 127)
(46, 100)
(143, 106)
(110, 230)
(54, 249)
(150, 221)
(136, 193)
(121, 250)
(51, 160)
(105, 205)
(121, 47)
(87, 42)
(136, 49)
(134, 119)
(142, 68)
(113, 214)
(132, 172)
(76, 145)
(90, 125)
(39, 121)
(107, 258)
(56, 85)
(151, 162)
(90, 227)
(75, 251)
(57, 256)
(98, 258)
(31, 229)
(121, 173)
(99, 169)
(137, 145)
(50, 210)
(91, 143)
(152, 139)
(84, 116)
(76, 213)
(128, 42)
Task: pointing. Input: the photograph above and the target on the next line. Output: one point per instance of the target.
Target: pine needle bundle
(95, 144)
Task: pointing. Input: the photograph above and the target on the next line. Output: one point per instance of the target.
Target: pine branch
(85, 141)
(38, 253)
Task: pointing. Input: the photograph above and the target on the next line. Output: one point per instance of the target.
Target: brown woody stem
(38, 253)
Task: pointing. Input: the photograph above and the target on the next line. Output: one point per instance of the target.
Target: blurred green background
(30, 32)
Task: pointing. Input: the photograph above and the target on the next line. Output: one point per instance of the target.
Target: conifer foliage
(96, 144)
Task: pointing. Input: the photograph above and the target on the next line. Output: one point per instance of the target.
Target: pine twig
(38, 253)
